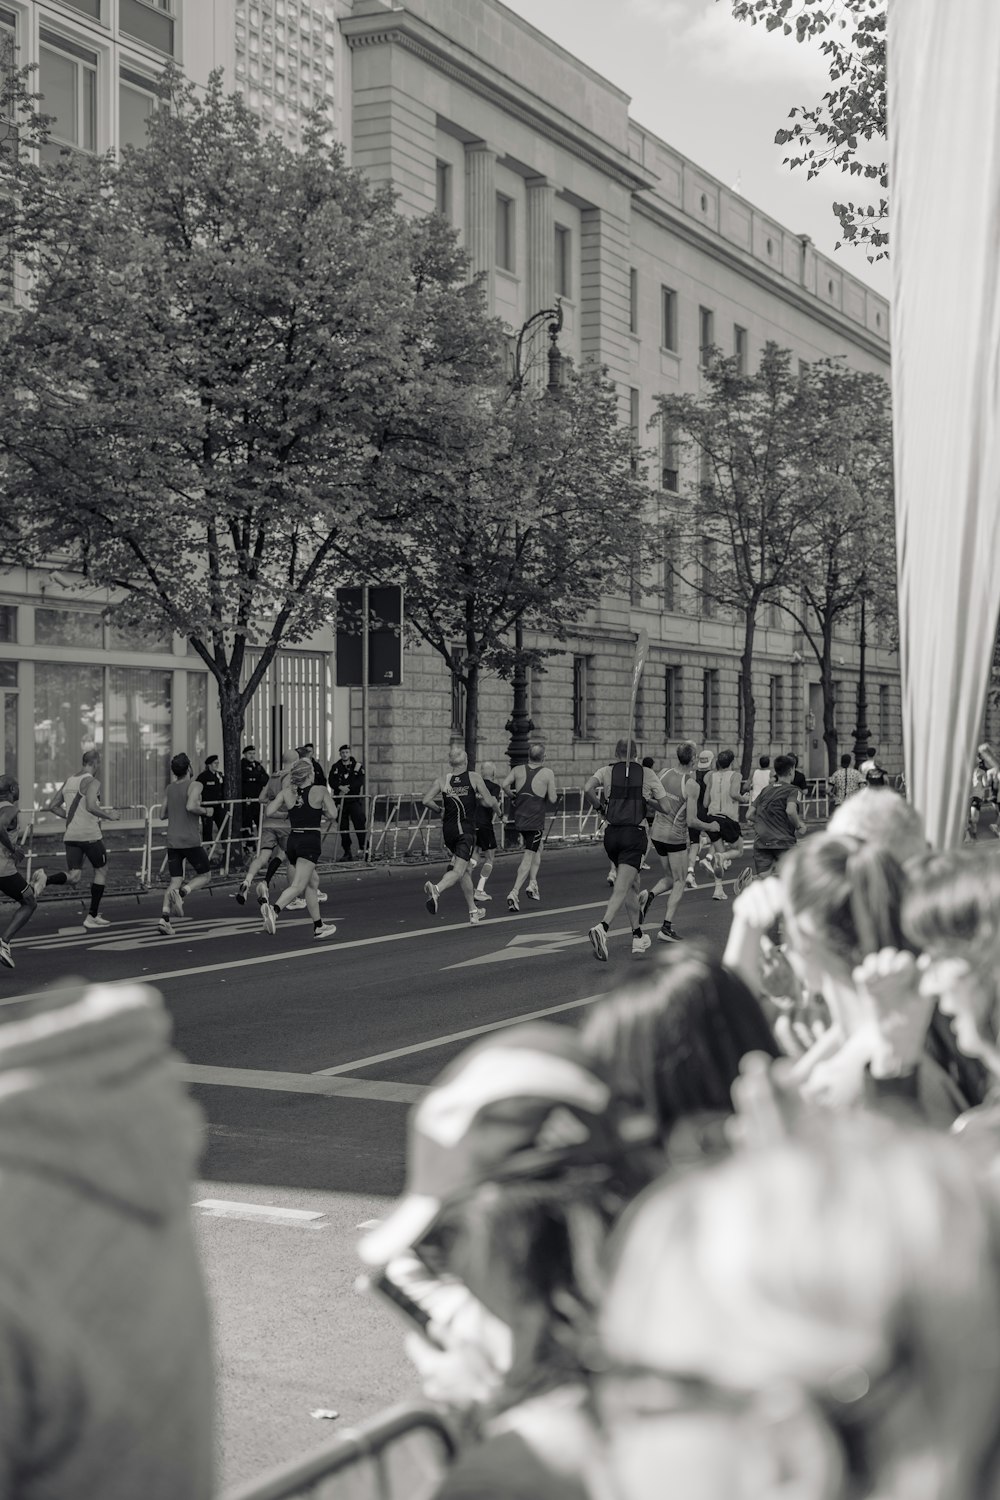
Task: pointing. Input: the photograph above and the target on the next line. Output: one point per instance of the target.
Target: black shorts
(304, 843)
(977, 803)
(196, 857)
(14, 887)
(486, 839)
(95, 852)
(531, 839)
(664, 850)
(729, 832)
(460, 842)
(625, 845)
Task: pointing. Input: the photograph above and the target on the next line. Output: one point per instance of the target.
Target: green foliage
(851, 114)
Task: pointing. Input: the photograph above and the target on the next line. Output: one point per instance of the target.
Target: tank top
(626, 804)
(83, 827)
(303, 815)
(7, 865)
(279, 820)
(529, 807)
(672, 827)
(183, 827)
(722, 799)
(460, 802)
(484, 815)
(773, 828)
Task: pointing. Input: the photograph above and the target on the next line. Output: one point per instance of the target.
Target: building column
(540, 282)
(480, 213)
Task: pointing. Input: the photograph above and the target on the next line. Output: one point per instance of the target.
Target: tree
(506, 509)
(845, 546)
(216, 332)
(852, 111)
(744, 434)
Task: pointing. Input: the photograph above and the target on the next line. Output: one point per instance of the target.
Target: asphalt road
(305, 1058)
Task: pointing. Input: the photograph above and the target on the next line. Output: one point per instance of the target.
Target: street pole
(520, 725)
(364, 681)
(862, 750)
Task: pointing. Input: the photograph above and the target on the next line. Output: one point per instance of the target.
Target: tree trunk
(232, 711)
(749, 703)
(472, 712)
(829, 697)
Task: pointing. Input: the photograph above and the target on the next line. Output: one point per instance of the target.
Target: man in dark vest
(620, 792)
(534, 790)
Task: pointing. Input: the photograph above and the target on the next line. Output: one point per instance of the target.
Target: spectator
(762, 777)
(798, 779)
(106, 1378)
(213, 808)
(845, 782)
(308, 752)
(253, 779)
(817, 1318)
(347, 782)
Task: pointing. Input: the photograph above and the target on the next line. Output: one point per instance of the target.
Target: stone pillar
(540, 282)
(480, 213)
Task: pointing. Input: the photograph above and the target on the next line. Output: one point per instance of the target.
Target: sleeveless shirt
(773, 828)
(183, 827)
(529, 807)
(83, 827)
(460, 803)
(672, 827)
(278, 821)
(484, 815)
(303, 815)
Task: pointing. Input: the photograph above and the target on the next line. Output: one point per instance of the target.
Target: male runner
(457, 791)
(723, 797)
(486, 834)
(621, 792)
(670, 840)
(274, 831)
(183, 811)
(78, 802)
(703, 768)
(12, 883)
(534, 790)
(775, 818)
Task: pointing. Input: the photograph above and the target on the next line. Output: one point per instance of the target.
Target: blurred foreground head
(880, 816)
(819, 1320)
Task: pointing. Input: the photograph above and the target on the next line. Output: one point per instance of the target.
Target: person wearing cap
(518, 1160)
(622, 792)
(253, 779)
(308, 752)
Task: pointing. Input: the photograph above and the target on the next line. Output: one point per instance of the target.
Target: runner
(762, 777)
(306, 803)
(980, 789)
(670, 840)
(182, 808)
(723, 797)
(486, 834)
(12, 883)
(534, 790)
(78, 802)
(621, 792)
(704, 765)
(457, 792)
(273, 834)
(775, 818)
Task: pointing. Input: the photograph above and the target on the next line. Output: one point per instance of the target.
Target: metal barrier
(133, 817)
(400, 1455)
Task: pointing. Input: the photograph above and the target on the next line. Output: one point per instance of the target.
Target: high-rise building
(286, 57)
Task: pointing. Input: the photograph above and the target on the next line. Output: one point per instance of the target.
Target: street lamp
(862, 749)
(519, 725)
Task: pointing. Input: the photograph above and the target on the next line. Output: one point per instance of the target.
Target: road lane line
(455, 1036)
(266, 1213)
(303, 1083)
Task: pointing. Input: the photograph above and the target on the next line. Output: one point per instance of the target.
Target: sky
(717, 90)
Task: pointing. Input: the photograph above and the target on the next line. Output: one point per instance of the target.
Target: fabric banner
(944, 189)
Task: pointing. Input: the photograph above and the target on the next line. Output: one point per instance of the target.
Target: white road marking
(223, 1208)
(303, 1083)
(456, 1036)
(525, 945)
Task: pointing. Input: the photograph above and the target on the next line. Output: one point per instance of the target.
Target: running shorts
(531, 838)
(95, 852)
(460, 842)
(765, 861)
(625, 845)
(304, 843)
(14, 887)
(977, 803)
(486, 839)
(664, 850)
(729, 832)
(273, 838)
(196, 856)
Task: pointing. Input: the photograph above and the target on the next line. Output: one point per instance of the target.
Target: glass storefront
(69, 718)
(197, 717)
(137, 743)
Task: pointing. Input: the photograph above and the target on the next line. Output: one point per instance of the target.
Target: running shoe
(262, 893)
(241, 893)
(482, 896)
(645, 897)
(270, 918)
(5, 955)
(667, 934)
(298, 904)
(532, 891)
(176, 902)
(324, 930)
(742, 880)
(599, 942)
(475, 917)
(645, 865)
(92, 923)
(321, 895)
(431, 892)
(164, 928)
(690, 881)
(641, 943)
(719, 894)
(512, 903)
(38, 882)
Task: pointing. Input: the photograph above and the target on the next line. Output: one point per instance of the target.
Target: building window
(884, 731)
(8, 624)
(69, 718)
(67, 75)
(136, 637)
(581, 698)
(69, 627)
(8, 712)
(706, 332)
(669, 456)
(90, 8)
(669, 578)
(137, 745)
(671, 702)
(668, 301)
(710, 704)
(136, 103)
(442, 189)
(505, 233)
(776, 696)
(740, 348)
(150, 21)
(564, 264)
(633, 425)
(803, 369)
(709, 581)
(633, 300)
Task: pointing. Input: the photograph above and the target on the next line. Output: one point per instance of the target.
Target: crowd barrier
(400, 1455)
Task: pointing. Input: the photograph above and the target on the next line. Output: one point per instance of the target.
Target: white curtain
(944, 188)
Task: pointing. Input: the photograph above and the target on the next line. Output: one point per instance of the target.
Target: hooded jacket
(105, 1359)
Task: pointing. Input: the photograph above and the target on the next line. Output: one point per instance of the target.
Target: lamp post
(520, 725)
(862, 749)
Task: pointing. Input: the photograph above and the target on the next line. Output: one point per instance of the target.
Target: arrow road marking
(525, 945)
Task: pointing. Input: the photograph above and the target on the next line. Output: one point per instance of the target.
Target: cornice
(414, 37)
(722, 249)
